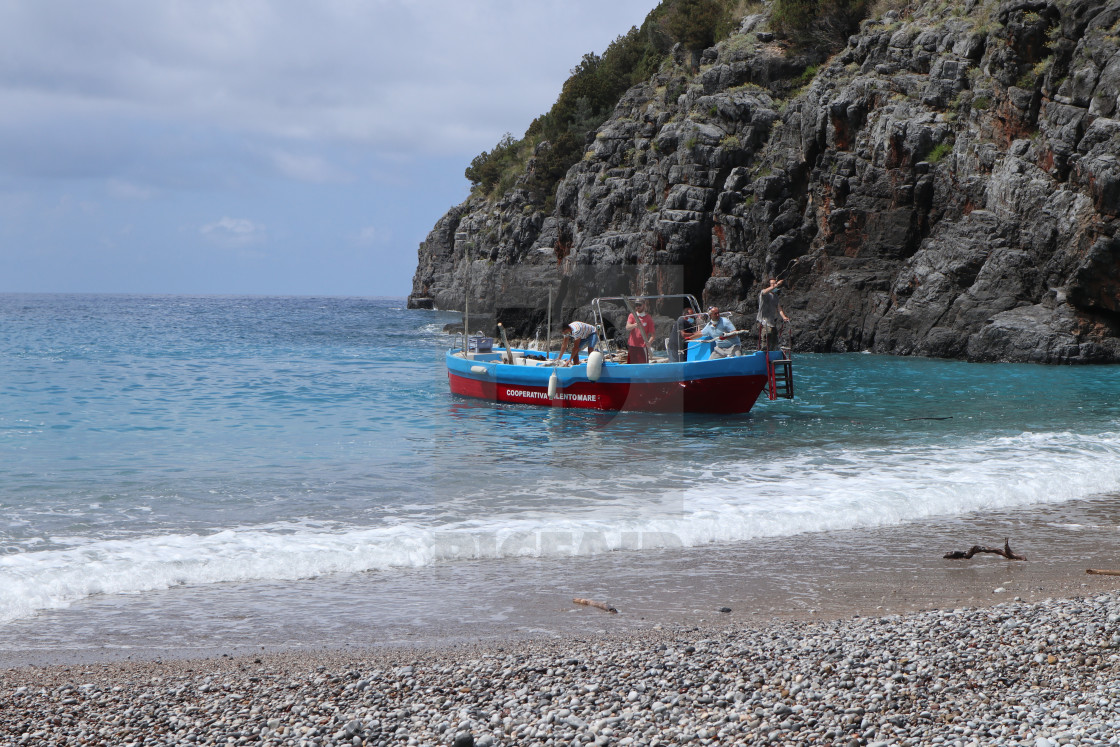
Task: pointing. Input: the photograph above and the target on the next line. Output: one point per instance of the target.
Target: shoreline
(826, 576)
(830, 575)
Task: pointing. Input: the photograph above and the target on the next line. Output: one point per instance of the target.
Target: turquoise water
(164, 448)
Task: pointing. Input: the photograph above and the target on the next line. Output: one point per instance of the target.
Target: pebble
(1030, 674)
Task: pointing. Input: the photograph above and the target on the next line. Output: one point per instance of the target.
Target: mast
(467, 304)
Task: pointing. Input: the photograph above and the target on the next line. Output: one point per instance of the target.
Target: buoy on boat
(595, 365)
(553, 385)
(480, 369)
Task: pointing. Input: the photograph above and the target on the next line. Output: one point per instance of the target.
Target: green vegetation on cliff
(555, 141)
(823, 24)
(590, 94)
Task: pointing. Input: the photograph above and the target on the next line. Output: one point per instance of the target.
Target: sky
(263, 147)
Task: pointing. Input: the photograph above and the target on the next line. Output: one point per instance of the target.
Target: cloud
(234, 232)
(368, 235)
(431, 76)
(125, 190)
(308, 116)
(311, 169)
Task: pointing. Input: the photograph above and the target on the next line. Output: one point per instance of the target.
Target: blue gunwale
(745, 365)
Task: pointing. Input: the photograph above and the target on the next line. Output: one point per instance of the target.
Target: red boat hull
(720, 394)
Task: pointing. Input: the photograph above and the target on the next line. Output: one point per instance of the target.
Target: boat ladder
(779, 372)
(779, 377)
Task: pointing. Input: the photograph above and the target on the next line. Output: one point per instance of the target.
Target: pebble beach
(1016, 673)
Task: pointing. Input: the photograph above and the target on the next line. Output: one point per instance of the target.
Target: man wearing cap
(723, 332)
(636, 344)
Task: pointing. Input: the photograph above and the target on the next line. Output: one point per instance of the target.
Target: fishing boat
(604, 381)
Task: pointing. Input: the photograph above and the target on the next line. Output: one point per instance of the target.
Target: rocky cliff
(947, 185)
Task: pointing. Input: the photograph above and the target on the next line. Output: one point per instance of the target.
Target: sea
(188, 475)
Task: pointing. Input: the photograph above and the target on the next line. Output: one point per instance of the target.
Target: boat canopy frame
(686, 299)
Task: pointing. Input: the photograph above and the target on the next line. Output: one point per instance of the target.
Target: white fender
(553, 385)
(595, 365)
(480, 369)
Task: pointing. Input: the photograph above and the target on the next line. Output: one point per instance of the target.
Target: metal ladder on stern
(779, 372)
(779, 378)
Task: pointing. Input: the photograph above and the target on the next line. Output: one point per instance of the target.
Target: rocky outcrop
(947, 185)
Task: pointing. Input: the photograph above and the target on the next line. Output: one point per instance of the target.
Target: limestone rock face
(947, 185)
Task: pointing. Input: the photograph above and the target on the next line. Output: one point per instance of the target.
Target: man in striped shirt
(578, 333)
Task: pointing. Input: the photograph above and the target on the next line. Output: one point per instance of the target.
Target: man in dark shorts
(578, 333)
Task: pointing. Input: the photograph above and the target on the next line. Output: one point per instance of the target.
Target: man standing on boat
(636, 346)
(724, 333)
(578, 333)
(769, 313)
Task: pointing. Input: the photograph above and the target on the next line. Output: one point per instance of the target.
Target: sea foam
(822, 489)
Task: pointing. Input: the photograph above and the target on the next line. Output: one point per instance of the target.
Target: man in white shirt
(578, 333)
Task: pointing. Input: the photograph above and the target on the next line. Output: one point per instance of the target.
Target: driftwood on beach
(1099, 572)
(598, 605)
(1005, 551)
